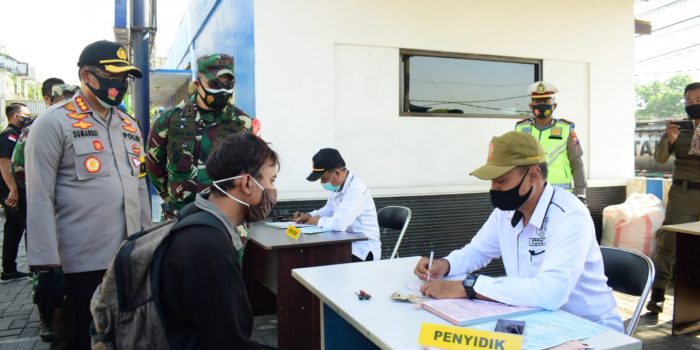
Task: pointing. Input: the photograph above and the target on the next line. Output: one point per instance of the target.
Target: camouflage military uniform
(179, 144)
(17, 164)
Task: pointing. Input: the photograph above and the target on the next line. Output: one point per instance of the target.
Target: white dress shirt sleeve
(349, 209)
(326, 210)
(561, 269)
(483, 248)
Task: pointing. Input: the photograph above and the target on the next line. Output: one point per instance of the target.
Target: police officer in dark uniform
(13, 198)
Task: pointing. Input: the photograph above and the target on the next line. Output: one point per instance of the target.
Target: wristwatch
(468, 284)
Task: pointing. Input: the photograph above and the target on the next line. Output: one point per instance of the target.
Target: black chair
(396, 218)
(630, 273)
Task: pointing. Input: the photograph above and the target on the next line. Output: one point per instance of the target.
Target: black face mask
(110, 93)
(542, 111)
(693, 111)
(215, 100)
(510, 199)
(24, 121)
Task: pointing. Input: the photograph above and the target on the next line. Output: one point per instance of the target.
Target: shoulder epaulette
(565, 121)
(123, 115)
(523, 121)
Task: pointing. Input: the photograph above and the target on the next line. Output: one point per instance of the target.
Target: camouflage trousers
(683, 206)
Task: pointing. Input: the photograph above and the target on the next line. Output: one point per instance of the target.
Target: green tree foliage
(661, 99)
(34, 91)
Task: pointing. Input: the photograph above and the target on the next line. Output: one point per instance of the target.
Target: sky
(673, 47)
(49, 35)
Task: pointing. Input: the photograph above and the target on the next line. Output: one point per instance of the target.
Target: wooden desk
(268, 261)
(380, 323)
(686, 277)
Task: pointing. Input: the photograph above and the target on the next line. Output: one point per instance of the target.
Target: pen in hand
(430, 265)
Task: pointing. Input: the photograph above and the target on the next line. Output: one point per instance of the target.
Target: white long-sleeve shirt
(554, 262)
(352, 210)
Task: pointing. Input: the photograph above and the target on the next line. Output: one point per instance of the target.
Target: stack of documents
(464, 312)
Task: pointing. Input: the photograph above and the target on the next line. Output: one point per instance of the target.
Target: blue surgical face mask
(328, 186)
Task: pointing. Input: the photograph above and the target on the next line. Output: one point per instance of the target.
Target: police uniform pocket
(134, 151)
(90, 159)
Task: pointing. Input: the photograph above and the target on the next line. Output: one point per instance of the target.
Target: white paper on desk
(464, 312)
(546, 329)
(414, 286)
(309, 230)
(285, 224)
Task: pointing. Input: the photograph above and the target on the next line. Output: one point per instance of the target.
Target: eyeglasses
(218, 84)
(121, 78)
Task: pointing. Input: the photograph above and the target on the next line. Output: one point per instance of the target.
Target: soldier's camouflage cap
(65, 90)
(215, 65)
(508, 151)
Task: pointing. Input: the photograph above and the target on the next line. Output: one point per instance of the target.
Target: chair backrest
(397, 218)
(631, 273)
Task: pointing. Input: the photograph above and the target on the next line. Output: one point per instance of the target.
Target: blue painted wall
(219, 26)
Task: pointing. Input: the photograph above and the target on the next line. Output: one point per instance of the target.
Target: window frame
(404, 87)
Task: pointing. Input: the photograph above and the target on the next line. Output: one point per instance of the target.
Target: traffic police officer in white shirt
(349, 208)
(544, 235)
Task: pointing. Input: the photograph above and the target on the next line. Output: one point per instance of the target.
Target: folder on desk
(310, 230)
(285, 224)
(464, 312)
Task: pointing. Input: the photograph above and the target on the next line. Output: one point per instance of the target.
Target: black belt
(688, 184)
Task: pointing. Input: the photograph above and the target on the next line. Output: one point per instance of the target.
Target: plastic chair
(397, 218)
(630, 273)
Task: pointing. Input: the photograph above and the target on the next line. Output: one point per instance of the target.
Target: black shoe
(655, 307)
(46, 333)
(656, 302)
(13, 276)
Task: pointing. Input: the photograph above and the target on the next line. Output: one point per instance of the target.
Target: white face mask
(256, 212)
(229, 195)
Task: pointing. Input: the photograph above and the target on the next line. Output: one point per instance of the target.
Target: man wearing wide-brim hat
(544, 235)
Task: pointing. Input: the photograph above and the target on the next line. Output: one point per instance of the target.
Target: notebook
(464, 312)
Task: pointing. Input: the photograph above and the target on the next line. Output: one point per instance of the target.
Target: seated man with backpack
(194, 296)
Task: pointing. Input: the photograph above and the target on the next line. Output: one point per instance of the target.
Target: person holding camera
(682, 140)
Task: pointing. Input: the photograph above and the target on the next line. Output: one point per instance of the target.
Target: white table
(383, 323)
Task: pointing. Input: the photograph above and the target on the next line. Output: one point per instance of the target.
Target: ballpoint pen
(430, 265)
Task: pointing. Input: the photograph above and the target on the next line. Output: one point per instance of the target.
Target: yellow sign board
(293, 232)
(458, 338)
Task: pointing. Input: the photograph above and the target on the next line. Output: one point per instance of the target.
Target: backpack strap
(192, 217)
(200, 217)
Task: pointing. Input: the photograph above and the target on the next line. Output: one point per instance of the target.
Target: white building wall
(327, 75)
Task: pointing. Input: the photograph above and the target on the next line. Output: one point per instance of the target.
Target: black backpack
(126, 307)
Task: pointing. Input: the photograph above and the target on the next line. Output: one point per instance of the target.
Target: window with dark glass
(461, 85)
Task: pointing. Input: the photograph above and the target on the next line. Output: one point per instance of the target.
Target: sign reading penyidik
(458, 338)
